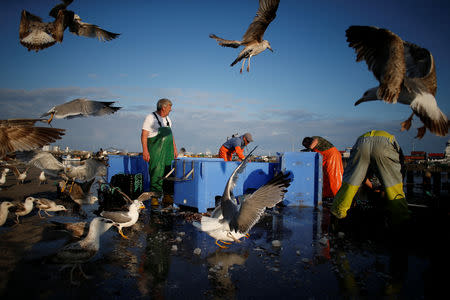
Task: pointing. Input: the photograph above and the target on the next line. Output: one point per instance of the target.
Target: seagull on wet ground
(24, 208)
(82, 251)
(234, 221)
(47, 205)
(253, 37)
(4, 210)
(42, 178)
(406, 73)
(130, 217)
(22, 135)
(3, 177)
(20, 176)
(34, 34)
(81, 107)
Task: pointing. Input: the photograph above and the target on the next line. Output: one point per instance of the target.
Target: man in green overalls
(159, 149)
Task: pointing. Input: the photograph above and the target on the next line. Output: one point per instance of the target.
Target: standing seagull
(3, 177)
(81, 108)
(47, 205)
(24, 209)
(253, 37)
(82, 251)
(37, 35)
(21, 135)
(130, 217)
(235, 221)
(406, 73)
(4, 210)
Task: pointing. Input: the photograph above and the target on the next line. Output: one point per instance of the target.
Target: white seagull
(406, 73)
(4, 210)
(127, 218)
(234, 221)
(22, 135)
(82, 251)
(253, 37)
(81, 107)
(47, 205)
(24, 208)
(42, 178)
(34, 34)
(3, 177)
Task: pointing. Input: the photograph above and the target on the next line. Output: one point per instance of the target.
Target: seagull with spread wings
(81, 108)
(406, 72)
(233, 221)
(253, 37)
(34, 34)
(22, 135)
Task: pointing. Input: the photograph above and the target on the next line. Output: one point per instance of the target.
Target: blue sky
(306, 87)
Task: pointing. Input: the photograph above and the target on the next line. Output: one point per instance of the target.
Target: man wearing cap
(235, 145)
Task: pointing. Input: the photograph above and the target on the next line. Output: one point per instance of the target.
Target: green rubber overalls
(160, 148)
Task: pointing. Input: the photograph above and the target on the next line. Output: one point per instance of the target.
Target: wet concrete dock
(311, 262)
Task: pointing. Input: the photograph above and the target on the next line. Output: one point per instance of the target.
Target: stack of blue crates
(210, 177)
(306, 170)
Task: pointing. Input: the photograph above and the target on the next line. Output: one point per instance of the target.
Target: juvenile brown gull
(253, 37)
(4, 210)
(24, 208)
(406, 73)
(22, 135)
(82, 251)
(81, 107)
(34, 34)
(47, 205)
(235, 221)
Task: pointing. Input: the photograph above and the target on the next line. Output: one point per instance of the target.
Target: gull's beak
(142, 206)
(270, 48)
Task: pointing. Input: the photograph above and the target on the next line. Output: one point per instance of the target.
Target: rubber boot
(154, 201)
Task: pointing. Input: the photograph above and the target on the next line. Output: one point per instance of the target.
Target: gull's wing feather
(384, 54)
(89, 30)
(266, 196)
(266, 13)
(116, 216)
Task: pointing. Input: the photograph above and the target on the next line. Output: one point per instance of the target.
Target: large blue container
(306, 185)
(209, 178)
(125, 164)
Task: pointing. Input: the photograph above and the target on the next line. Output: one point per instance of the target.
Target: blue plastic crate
(306, 185)
(124, 164)
(210, 177)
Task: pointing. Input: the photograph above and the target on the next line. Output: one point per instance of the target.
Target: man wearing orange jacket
(235, 145)
(331, 164)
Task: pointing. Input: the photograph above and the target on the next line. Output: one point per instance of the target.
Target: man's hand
(146, 156)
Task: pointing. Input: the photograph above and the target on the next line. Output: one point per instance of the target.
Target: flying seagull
(81, 108)
(34, 34)
(234, 221)
(253, 37)
(406, 73)
(22, 135)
